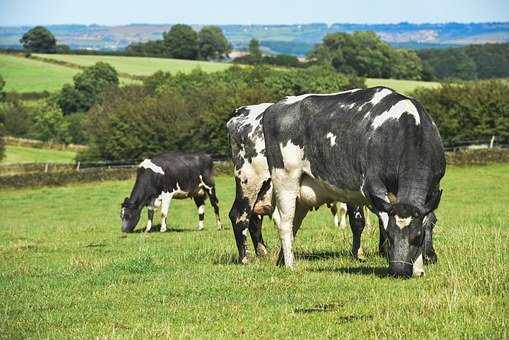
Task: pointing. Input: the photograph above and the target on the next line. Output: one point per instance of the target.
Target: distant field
(140, 66)
(21, 154)
(27, 75)
(404, 86)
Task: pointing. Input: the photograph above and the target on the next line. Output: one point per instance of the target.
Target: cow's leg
(239, 217)
(382, 243)
(342, 212)
(210, 188)
(150, 214)
(357, 222)
(200, 204)
(300, 212)
(165, 206)
(255, 230)
(429, 253)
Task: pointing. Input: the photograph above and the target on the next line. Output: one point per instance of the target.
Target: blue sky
(114, 12)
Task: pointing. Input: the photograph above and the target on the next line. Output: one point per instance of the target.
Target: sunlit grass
(67, 271)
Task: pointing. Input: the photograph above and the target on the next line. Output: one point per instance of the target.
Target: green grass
(66, 271)
(21, 154)
(27, 75)
(403, 86)
(140, 66)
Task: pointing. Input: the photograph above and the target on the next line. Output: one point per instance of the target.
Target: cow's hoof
(201, 228)
(163, 230)
(261, 250)
(244, 260)
(360, 255)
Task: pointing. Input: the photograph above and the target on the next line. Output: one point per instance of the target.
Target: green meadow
(22, 154)
(66, 271)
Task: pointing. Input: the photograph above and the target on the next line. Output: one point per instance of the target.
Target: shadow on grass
(381, 272)
(321, 255)
(157, 229)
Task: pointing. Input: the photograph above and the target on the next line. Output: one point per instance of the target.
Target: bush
(16, 118)
(2, 141)
(472, 111)
(189, 111)
(88, 87)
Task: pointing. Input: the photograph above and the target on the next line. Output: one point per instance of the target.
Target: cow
(372, 147)
(253, 198)
(167, 176)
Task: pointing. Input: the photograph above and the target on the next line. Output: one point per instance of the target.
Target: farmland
(21, 154)
(29, 75)
(67, 271)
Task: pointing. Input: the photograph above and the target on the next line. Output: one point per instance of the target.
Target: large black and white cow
(253, 194)
(371, 147)
(167, 176)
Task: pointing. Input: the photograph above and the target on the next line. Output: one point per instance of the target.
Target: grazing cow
(166, 176)
(253, 198)
(371, 147)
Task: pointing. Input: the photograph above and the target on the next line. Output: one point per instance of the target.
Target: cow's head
(404, 231)
(130, 215)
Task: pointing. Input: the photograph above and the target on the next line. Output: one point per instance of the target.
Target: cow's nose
(400, 270)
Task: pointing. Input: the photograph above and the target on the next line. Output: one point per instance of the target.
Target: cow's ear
(432, 203)
(381, 204)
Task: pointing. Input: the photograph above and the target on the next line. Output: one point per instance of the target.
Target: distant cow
(370, 147)
(253, 197)
(167, 176)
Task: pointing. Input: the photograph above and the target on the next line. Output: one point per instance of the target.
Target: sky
(115, 12)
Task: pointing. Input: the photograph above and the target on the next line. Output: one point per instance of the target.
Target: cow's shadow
(321, 255)
(381, 272)
(156, 228)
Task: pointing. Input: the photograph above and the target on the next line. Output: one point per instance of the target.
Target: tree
(2, 142)
(365, 54)
(2, 85)
(254, 51)
(181, 42)
(39, 39)
(87, 88)
(212, 43)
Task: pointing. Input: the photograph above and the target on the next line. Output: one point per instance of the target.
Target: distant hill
(292, 39)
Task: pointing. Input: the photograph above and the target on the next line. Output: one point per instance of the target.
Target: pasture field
(140, 66)
(403, 86)
(28, 75)
(22, 154)
(66, 271)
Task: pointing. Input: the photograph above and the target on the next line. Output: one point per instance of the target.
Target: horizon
(263, 12)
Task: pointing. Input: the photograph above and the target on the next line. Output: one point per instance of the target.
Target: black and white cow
(167, 176)
(370, 147)
(253, 198)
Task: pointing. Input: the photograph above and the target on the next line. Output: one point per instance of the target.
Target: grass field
(27, 75)
(21, 154)
(404, 86)
(140, 66)
(66, 271)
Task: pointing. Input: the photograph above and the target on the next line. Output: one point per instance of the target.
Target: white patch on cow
(384, 217)
(294, 99)
(418, 267)
(201, 209)
(201, 225)
(165, 205)
(202, 183)
(332, 138)
(149, 226)
(403, 222)
(147, 164)
(395, 112)
(377, 98)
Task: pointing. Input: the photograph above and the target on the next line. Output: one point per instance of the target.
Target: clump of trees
(467, 63)
(87, 88)
(470, 111)
(366, 55)
(189, 111)
(255, 57)
(183, 42)
(39, 39)
(2, 132)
